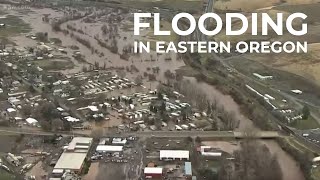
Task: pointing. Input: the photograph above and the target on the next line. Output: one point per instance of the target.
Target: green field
(54, 64)
(309, 123)
(14, 26)
(315, 173)
(6, 176)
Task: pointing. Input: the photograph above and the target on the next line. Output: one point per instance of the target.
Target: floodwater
(34, 18)
(289, 167)
(226, 101)
(93, 171)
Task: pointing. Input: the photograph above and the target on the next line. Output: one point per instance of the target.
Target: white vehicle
(178, 128)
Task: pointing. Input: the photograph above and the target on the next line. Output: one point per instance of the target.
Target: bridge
(207, 134)
(146, 134)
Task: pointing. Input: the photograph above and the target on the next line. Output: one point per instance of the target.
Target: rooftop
(188, 168)
(70, 161)
(79, 141)
(107, 148)
(153, 170)
(174, 154)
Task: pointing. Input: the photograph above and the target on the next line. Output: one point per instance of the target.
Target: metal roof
(188, 169)
(153, 170)
(175, 154)
(107, 148)
(70, 161)
(79, 140)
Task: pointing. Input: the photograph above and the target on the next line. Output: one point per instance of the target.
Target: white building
(73, 158)
(108, 148)
(174, 155)
(205, 151)
(32, 122)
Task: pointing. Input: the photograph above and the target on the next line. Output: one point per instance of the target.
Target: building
(153, 172)
(206, 151)
(174, 155)
(74, 155)
(108, 148)
(119, 141)
(188, 170)
(316, 160)
(32, 121)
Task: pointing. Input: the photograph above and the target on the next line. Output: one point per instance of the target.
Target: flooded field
(90, 31)
(226, 101)
(290, 169)
(93, 171)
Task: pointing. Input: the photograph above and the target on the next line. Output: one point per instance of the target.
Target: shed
(153, 172)
(187, 169)
(108, 148)
(32, 121)
(174, 155)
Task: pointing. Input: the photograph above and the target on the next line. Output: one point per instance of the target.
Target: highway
(205, 134)
(39, 132)
(168, 134)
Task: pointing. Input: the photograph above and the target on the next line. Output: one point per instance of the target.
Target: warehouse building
(153, 172)
(74, 156)
(108, 148)
(174, 155)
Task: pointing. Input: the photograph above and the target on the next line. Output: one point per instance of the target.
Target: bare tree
(121, 73)
(138, 80)
(97, 133)
(57, 124)
(254, 161)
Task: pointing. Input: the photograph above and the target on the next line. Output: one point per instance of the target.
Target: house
(32, 122)
(153, 172)
(119, 141)
(316, 159)
(174, 155)
(13, 159)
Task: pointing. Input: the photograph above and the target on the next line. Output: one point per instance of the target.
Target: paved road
(203, 134)
(11, 130)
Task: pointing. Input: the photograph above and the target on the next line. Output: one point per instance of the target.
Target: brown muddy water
(288, 165)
